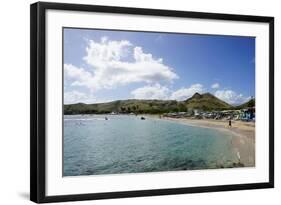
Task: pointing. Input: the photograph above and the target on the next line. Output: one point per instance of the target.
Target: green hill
(126, 106)
(250, 103)
(204, 102)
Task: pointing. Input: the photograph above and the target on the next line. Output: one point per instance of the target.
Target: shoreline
(243, 135)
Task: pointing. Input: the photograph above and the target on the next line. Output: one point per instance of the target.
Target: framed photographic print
(129, 102)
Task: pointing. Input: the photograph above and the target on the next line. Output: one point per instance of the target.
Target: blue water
(126, 144)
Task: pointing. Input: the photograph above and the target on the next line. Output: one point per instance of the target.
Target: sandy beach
(243, 135)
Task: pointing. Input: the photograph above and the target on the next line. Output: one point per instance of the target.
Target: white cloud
(151, 92)
(110, 66)
(184, 93)
(161, 92)
(215, 86)
(78, 97)
(106, 51)
(231, 97)
(77, 76)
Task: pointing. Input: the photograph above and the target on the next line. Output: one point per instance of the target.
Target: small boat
(142, 118)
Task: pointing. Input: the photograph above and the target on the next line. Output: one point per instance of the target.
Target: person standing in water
(229, 123)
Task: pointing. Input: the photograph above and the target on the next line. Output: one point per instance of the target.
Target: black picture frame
(38, 101)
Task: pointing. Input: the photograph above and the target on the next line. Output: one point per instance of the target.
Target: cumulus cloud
(215, 86)
(105, 51)
(76, 97)
(231, 97)
(151, 92)
(184, 93)
(78, 76)
(114, 63)
(162, 92)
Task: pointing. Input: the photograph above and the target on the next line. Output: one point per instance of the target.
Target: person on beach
(229, 123)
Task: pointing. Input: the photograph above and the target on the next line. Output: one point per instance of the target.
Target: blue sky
(104, 65)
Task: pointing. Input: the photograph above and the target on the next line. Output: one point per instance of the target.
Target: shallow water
(126, 144)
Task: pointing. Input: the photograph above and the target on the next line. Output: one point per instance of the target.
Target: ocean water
(126, 144)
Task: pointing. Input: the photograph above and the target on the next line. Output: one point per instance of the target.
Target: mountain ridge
(205, 102)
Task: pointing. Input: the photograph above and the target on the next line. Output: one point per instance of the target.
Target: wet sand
(243, 135)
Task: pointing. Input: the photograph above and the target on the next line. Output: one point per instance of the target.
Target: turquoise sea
(126, 144)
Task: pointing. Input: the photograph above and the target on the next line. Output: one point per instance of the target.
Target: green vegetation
(206, 102)
(250, 103)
